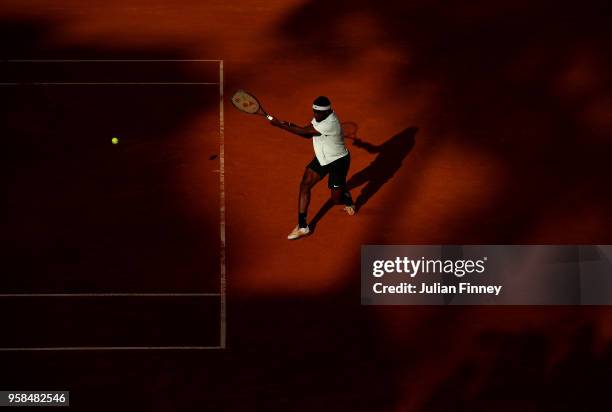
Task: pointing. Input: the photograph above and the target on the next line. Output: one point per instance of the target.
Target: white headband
(322, 108)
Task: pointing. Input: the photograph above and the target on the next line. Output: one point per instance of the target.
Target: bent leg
(341, 196)
(309, 179)
(337, 181)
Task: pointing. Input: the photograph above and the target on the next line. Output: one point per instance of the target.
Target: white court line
(87, 295)
(105, 348)
(110, 83)
(106, 60)
(222, 285)
(222, 293)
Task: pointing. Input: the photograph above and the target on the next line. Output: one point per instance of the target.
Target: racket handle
(269, 117)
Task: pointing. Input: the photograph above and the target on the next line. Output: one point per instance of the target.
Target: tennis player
(331, 158)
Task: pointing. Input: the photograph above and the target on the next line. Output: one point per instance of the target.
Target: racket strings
(245, 102)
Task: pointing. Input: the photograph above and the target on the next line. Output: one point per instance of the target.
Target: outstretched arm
(306, 131)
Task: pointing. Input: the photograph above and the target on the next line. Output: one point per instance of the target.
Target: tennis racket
(349, 130)
(247, 103)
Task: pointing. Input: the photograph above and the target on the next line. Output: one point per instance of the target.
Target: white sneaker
(298, 232)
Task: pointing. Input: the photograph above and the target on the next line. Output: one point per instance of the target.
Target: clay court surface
(469, 124)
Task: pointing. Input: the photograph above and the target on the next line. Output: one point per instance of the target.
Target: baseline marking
(106, 60)
(87, 295)
(222, 285)
(110, 83)
(104, 348)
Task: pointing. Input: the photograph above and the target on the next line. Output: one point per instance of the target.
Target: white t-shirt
(329, 146)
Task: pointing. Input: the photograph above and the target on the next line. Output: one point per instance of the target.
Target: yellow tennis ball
(115, 140)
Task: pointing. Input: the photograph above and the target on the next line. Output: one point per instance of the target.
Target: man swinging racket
(331, 157)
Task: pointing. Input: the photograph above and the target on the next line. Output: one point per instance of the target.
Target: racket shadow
(389, 159)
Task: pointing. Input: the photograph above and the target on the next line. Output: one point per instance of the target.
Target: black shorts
(337, 170)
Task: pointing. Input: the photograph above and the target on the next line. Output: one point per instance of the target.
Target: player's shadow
(389, 159)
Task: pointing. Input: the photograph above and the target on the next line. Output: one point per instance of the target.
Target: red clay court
(155, 273)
